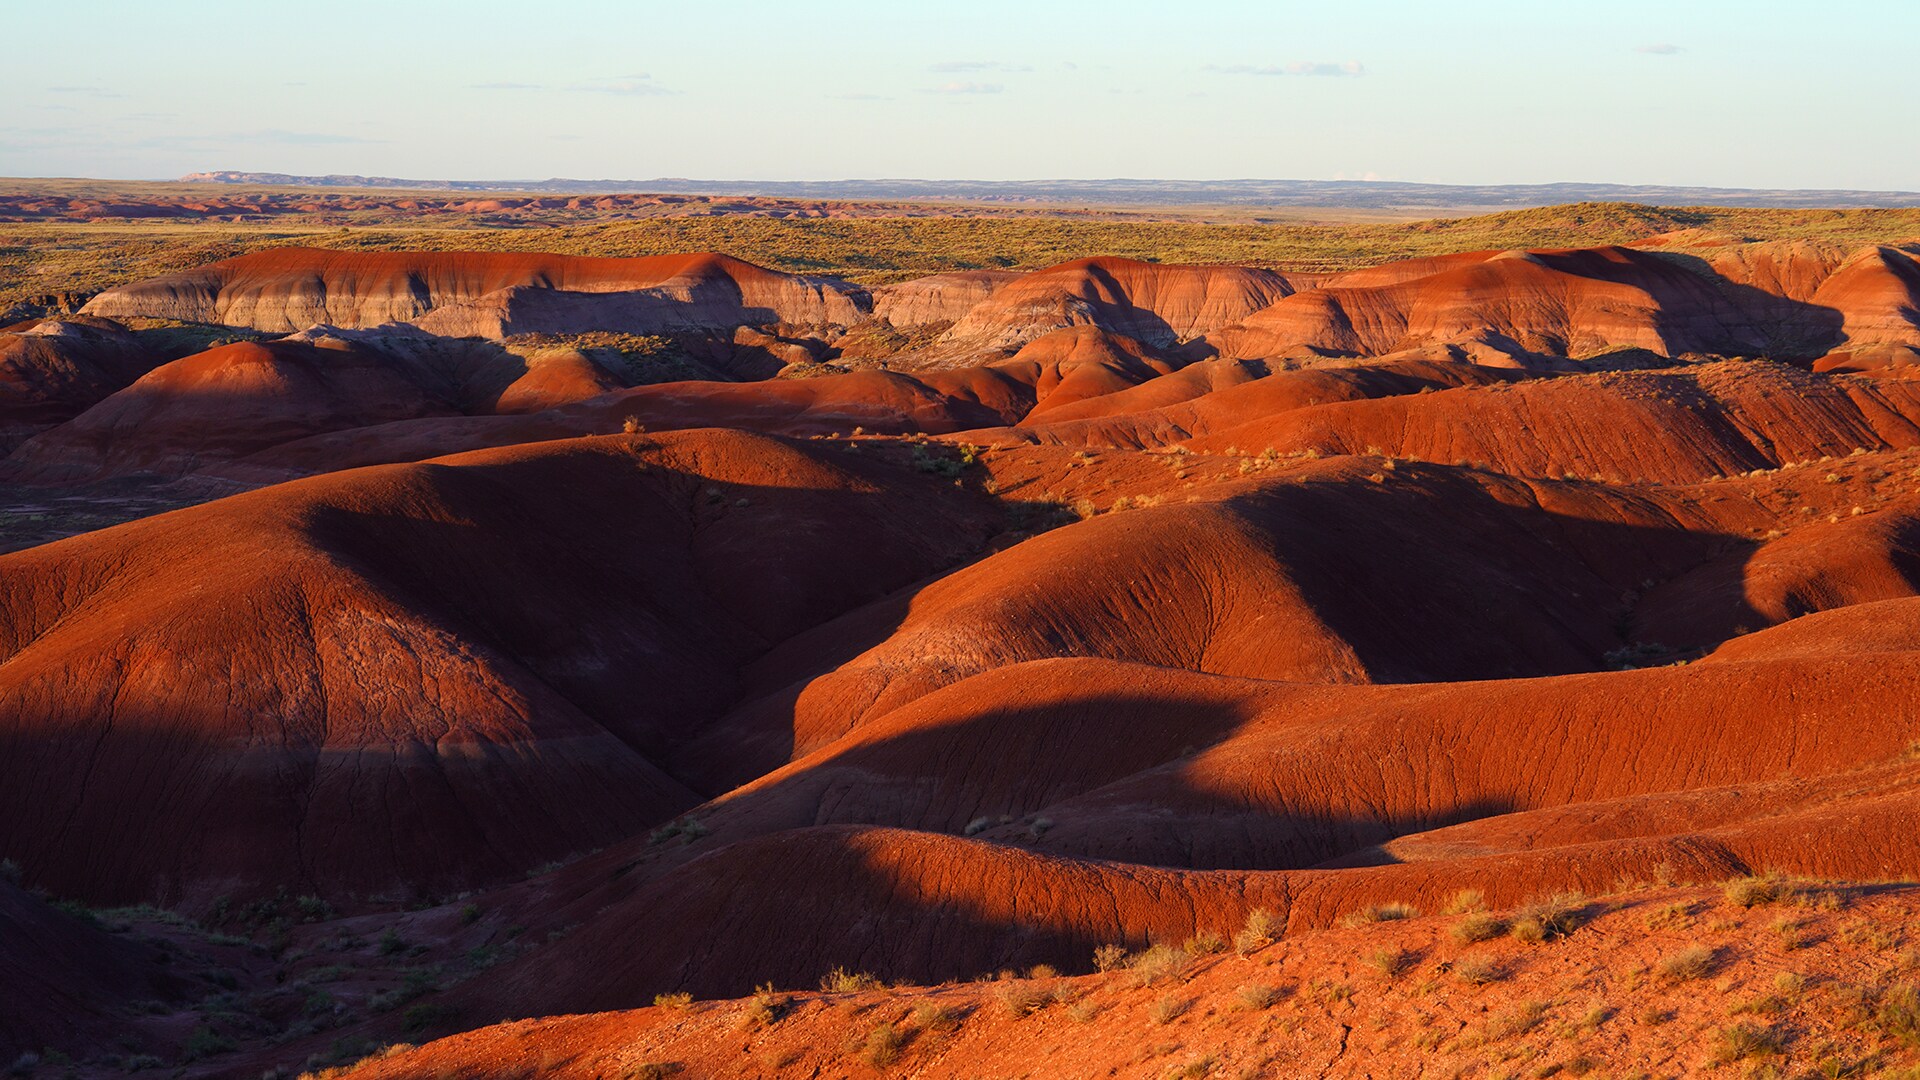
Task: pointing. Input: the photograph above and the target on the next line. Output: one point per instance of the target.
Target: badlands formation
(669, 666)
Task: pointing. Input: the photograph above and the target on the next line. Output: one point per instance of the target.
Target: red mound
(339, 686)
(66, 983)
(52, 369)
(241, 399)
(1583, 302)
(487, 294)
(1159, 305)
(938, 298)
(1678, 425)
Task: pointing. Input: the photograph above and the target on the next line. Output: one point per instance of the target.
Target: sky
(1759, 93)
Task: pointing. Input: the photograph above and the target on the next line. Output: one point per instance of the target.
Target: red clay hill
(515, 674)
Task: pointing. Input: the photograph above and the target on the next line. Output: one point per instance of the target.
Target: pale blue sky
(1710, 92)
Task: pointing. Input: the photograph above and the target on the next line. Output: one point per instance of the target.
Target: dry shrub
(673, 1001)
(1478, 970)
(933, 1016)
(1743, 1041)
(842, 981)
(1205, 943)
(1109, 958)
(1260, 931)
(1023, 999)
(1549, 918)
(1378, 913)
(883, 1045)
(763, 1008)
(1749, 892)
(1259, 996)
(1159, 962)
(1391, 963)
(1167, 1008)
(1478, 926)
(1693, 962)
(1465, 901)
(1898, 1015)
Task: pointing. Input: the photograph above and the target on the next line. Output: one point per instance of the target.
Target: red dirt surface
(1656, 981)
(1019, 615)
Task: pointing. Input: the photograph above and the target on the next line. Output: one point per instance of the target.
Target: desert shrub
(680, 1000)
(1478, 926)
(1042, 971)
(205, 1042)
(1391, 963)
(1693, 962)
(1378, 913)
(1109, 958)
(1159, 962)
(1259, 931)
(1465, 901)
(1259, 996)
(1743, 1041)
(24, 1064)
(426, 1015)
(1167, 1008)
(1898, 1015)
(1749, 892)
(1023, 999)
(653, 1070)
(1205, 943)
(1518, 1020)
(391, 944)
(933, 1016)
(842, 981)
(1193, 1070)
(1549, 918)
(883, 1045)
(1478, 970)
(763, 1008)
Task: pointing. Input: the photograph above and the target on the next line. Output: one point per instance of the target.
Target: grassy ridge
(43, 258)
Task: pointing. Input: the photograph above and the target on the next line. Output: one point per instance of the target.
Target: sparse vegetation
(1478, 970)
(1478, 926)
(1260, 930)
(1743, 1041)
(680, 1000)
(1390, 963)
(1749, 892)
(1549, 918)
(1167, 1008)
(1693, 962)
(1159, 962)
(1259, 996)
(1023, 998)
(1110, 957)
(1376, 913)
(933, 1016)
(842, 981)
(883, 1045)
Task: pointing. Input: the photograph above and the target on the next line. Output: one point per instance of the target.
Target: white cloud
(967, 88)
(955, 66)
(641, 85)
(1346, 69)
